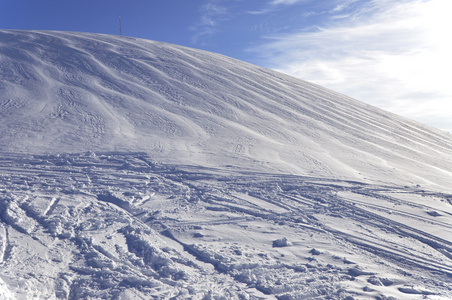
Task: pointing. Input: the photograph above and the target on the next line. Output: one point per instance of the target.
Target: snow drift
(133, 169)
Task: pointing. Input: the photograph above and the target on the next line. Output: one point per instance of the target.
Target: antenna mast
(120, 26)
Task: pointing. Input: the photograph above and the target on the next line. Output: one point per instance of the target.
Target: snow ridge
(74, 92)
(133, 169)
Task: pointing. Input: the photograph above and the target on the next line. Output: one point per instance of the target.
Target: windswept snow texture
(73, 92)
(133, 169)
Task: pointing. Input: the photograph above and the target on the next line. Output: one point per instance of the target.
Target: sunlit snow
(133, 169)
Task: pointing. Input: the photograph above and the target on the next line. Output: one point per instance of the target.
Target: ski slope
(73, 92)
(134, 169)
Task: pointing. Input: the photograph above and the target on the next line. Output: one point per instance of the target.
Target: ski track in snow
(117, 224)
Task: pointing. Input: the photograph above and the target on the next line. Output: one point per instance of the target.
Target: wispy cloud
(340, 7)
(273, 5)
(212, 13)
(394, 54)
(284, 2)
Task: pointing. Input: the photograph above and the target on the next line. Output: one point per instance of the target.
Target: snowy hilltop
(73, 92)
(134, 169)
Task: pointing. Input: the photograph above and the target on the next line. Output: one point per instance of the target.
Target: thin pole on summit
(120, 26)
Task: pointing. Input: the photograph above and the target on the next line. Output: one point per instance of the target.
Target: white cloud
(284, 2)
(343, 5)
(273, 5)
(211, 14)
(392, 54)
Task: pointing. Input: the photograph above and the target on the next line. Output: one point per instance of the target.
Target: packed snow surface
(133, 169)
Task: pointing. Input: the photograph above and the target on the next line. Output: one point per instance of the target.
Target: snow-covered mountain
(133, 169)
(72, 92)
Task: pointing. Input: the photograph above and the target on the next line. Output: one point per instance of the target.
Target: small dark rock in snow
(238, 252)
(434, 213)
(386, 281)
(374, 281)
(358, 272)
(315, 252)
(281, 243)
(299, 269)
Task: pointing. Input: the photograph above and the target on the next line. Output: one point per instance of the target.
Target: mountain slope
(73, 92)
(133, 169)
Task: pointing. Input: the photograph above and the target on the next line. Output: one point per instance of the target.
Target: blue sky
(394, 54)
